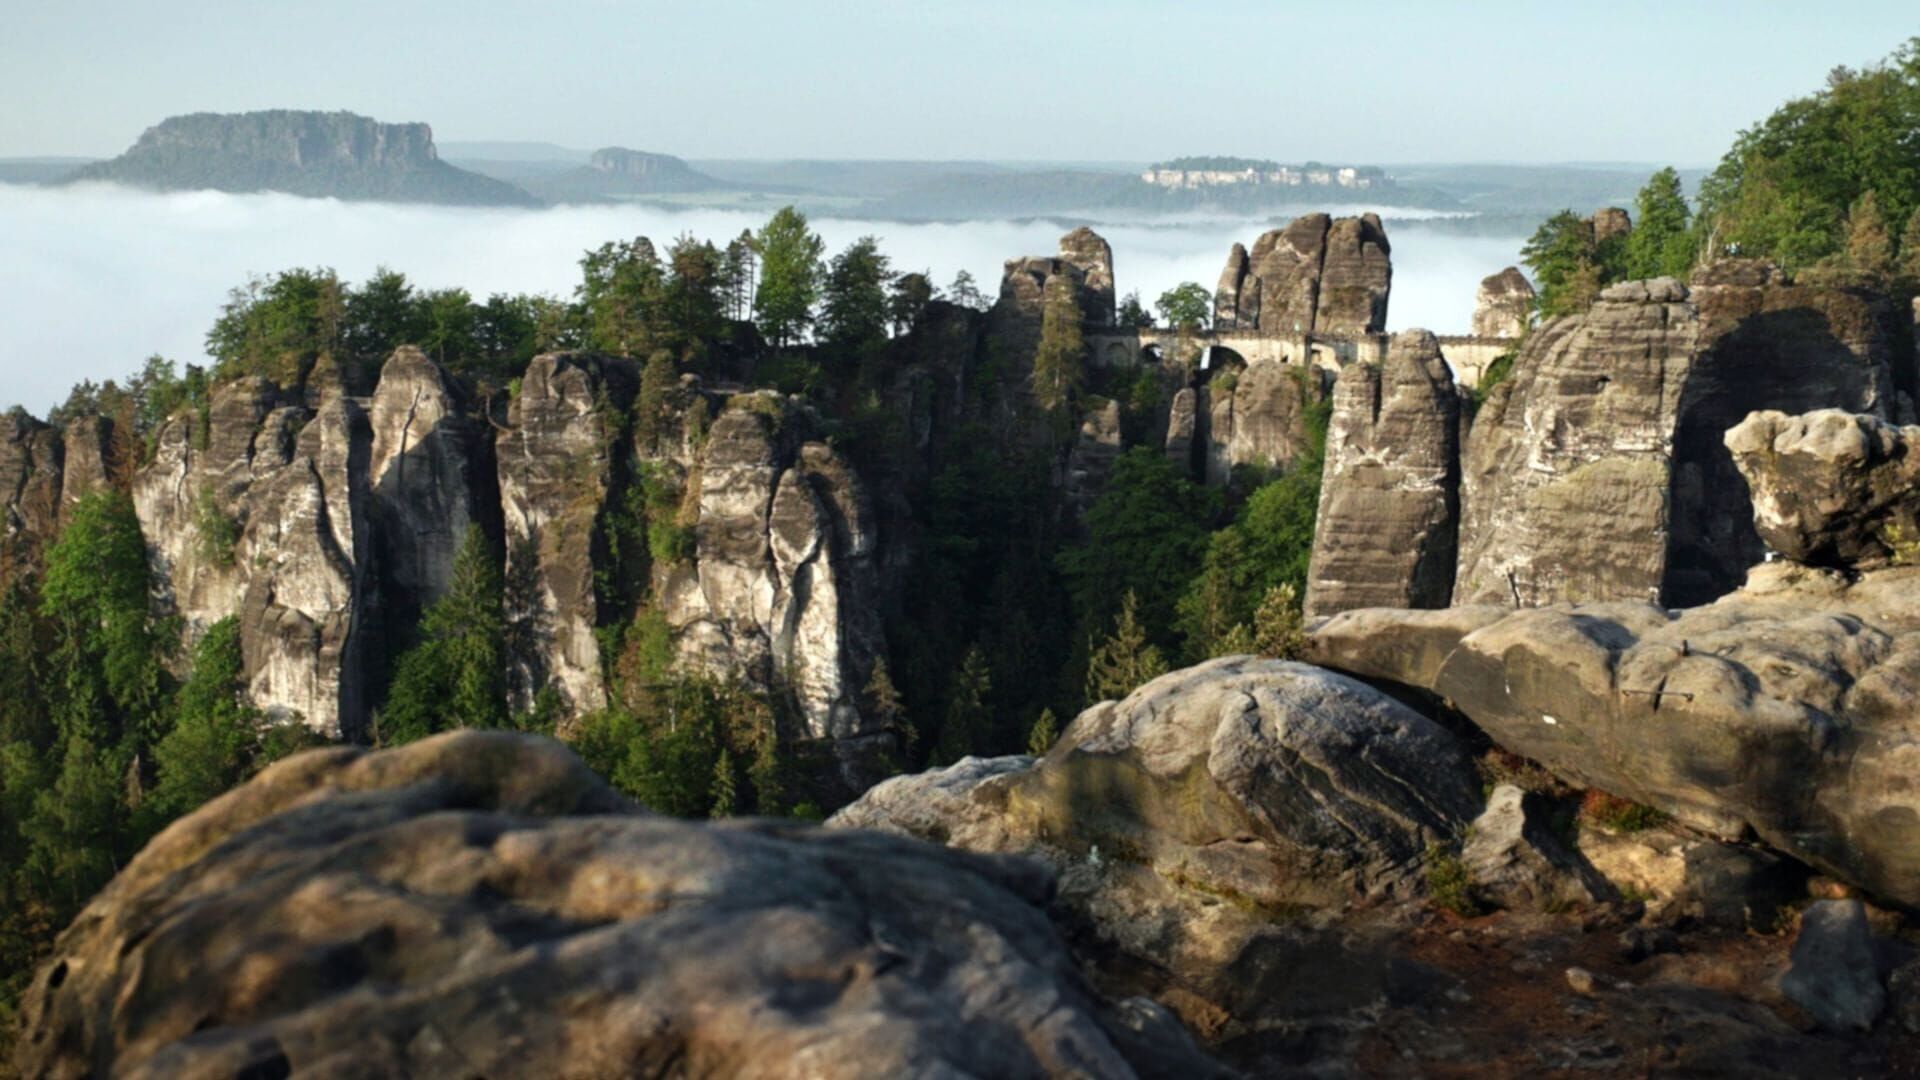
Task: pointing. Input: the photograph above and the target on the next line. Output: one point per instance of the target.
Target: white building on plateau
(1314, 176)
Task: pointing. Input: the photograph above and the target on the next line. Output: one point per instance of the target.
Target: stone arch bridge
(1113, 348)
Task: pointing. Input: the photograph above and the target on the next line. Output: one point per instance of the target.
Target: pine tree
(1908, 268)
(214, 731)
(1126, 660)
(657, 381)
(1661, 244)
(789, 254)
(854, 306)
(1058, 367)
(885, 705)
(723, 794)
(1869, 251)
(968, 713)
(456, 676)
(1041, 737)
(965, 292)
(1278, 630)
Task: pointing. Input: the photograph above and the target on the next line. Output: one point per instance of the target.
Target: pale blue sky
(1422, 80)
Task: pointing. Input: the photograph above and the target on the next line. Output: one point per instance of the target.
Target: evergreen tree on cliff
(456, 676)
(1058, 370)
(855, 309)
(789, 277)
(1785, 189)
(1662, 243)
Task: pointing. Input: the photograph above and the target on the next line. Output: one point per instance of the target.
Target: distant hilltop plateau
(1215, 171)
(319, 154)
(616, 172)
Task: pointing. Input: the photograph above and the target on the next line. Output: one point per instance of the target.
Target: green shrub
(218, 533)
(1448, 883)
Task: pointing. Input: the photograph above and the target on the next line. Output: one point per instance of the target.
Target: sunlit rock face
(1317, 275)
(1389, 490)
(1599, 472)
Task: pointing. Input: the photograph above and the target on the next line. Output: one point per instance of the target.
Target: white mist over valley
(99, 277)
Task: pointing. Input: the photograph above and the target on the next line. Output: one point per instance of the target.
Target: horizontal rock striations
(1389, 489)
(1598, 471)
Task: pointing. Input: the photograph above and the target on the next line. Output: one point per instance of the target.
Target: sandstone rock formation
(782, 588)
(1089, 251)
(1317, 275)
(1266, 784)
(1598, 471)
(261, 512)
(430, 475)
(29, 487)
(1835, 974)
(481, 904)
(1503, 306)
(1389, 490)
(87, 459)
(1514, 859)
(560, 464)
(1832, 488)
(1091, 457)
(1255, 415)
(1609, 222)
(318, 154)
(1782, 710)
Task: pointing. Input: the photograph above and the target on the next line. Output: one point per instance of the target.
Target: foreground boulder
(482, 904)
(1186, 818)
(1783, 710)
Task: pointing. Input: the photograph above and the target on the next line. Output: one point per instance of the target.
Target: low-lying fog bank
(94, 279)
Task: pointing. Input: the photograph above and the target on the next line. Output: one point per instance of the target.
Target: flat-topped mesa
(319, 154)
(1389, 494)
(1318, 275)
(1598, 471)
(1503, 306)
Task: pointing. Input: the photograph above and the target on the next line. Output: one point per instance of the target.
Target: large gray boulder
(1185, 818)
(1835, 975)
(1832, 488)
(1389, 491)
(1318, 274)
(1503, 305)
(481, 904)
(1784, 710)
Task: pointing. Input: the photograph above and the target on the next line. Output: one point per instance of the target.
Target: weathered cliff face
(30, 486)
(1255, 416)
(1832, 488)
(1316, 275)
(1089, 251)
(560, 464)
(307, 555)
(481, 903)
(430, 477)
(1090, 459)
(1598, 472)
(782, 587)
(87, 463)
(263, 514)
(1609, 222)
(1356, 277)
(1503, 304)
(1389, 490)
